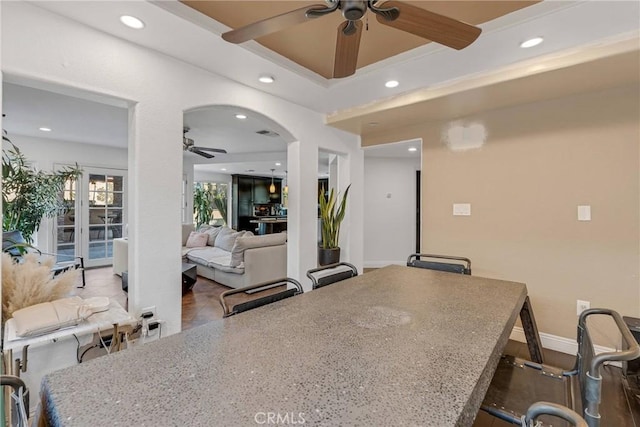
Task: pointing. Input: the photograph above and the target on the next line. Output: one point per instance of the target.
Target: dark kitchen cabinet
(261, 190)
(245, 196)
(249, 191)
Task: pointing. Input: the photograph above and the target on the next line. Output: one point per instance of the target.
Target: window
(210, 203)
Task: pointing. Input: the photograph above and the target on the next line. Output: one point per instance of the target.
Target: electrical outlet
(582, 306)
(151, 309)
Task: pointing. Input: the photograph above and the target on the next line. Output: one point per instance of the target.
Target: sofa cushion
(197, 240)
(186, 230)
(227, 238)
(212, 232)
(250, 241)
(213, 257)
(185, 250)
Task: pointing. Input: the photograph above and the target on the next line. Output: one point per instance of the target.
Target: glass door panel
(66, 223)
(105, 213)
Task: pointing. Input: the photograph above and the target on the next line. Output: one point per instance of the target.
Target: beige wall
(539, 163)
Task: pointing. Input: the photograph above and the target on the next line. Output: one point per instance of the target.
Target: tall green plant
(202, 204)
(332, 215)
(220, 200)
(205, 197)
(28, 195)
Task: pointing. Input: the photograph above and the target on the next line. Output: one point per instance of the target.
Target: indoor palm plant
(220, 200)
(202, 204)
(205, 197)
(28, 195)
(331, 214)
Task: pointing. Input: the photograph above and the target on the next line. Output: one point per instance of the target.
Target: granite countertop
(396, 346)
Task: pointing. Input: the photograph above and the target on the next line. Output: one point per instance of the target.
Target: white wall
(46, 153)
(42, 46)
(203, 176)
(390, 222)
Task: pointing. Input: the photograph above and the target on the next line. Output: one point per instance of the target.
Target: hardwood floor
(518, 349)
(101, 282)
(201, 305)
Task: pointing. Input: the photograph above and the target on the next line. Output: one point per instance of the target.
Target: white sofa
(242, 260)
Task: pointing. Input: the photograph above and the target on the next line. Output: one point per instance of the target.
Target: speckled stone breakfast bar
(396, 346)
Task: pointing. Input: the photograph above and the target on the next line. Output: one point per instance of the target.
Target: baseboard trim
(556, 343)
(380, 264)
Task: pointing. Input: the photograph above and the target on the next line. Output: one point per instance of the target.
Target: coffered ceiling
(180, 31)
(312, 43)
(588, 45)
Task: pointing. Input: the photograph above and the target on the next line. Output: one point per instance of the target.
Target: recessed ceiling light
(392, 83)
(278, 164)
(132, 22)
(266, 79)
(43, 129)
(531, 42)
(241, 116)
(412, 149)
(223, 169)
(373, 123)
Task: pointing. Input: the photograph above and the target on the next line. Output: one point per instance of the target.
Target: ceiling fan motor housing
(353, 10)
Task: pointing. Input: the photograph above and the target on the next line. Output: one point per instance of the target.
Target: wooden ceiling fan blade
(215, 150)
(431, 26)
(202, 153)
(273, 24)
(347, 47)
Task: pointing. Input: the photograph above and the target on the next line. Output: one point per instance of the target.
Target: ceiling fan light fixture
(392, 83)
(266, 79)
(531, 42)
(132, 22)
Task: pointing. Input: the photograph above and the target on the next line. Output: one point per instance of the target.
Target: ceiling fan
(188, 145)
(403, 16)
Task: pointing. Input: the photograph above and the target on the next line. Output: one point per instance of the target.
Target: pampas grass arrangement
(30, 282)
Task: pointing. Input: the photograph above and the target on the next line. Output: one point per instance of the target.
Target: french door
(96, 214)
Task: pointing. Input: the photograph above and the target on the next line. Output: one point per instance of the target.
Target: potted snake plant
(331, 215)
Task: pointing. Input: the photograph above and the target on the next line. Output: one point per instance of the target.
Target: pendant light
(272, 187)
(285, 190)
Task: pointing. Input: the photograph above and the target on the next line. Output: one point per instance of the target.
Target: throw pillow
(227, 238)
(197, 240)
(212, 232)
(251, 241)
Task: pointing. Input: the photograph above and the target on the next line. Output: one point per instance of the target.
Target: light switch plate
(584, 213)
(462, 209)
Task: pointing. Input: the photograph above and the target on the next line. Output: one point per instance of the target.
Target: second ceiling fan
(402, 16)
(189, 145)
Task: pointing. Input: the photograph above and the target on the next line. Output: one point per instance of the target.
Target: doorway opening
(392, 202)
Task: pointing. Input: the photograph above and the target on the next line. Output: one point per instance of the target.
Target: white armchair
(120, 255)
